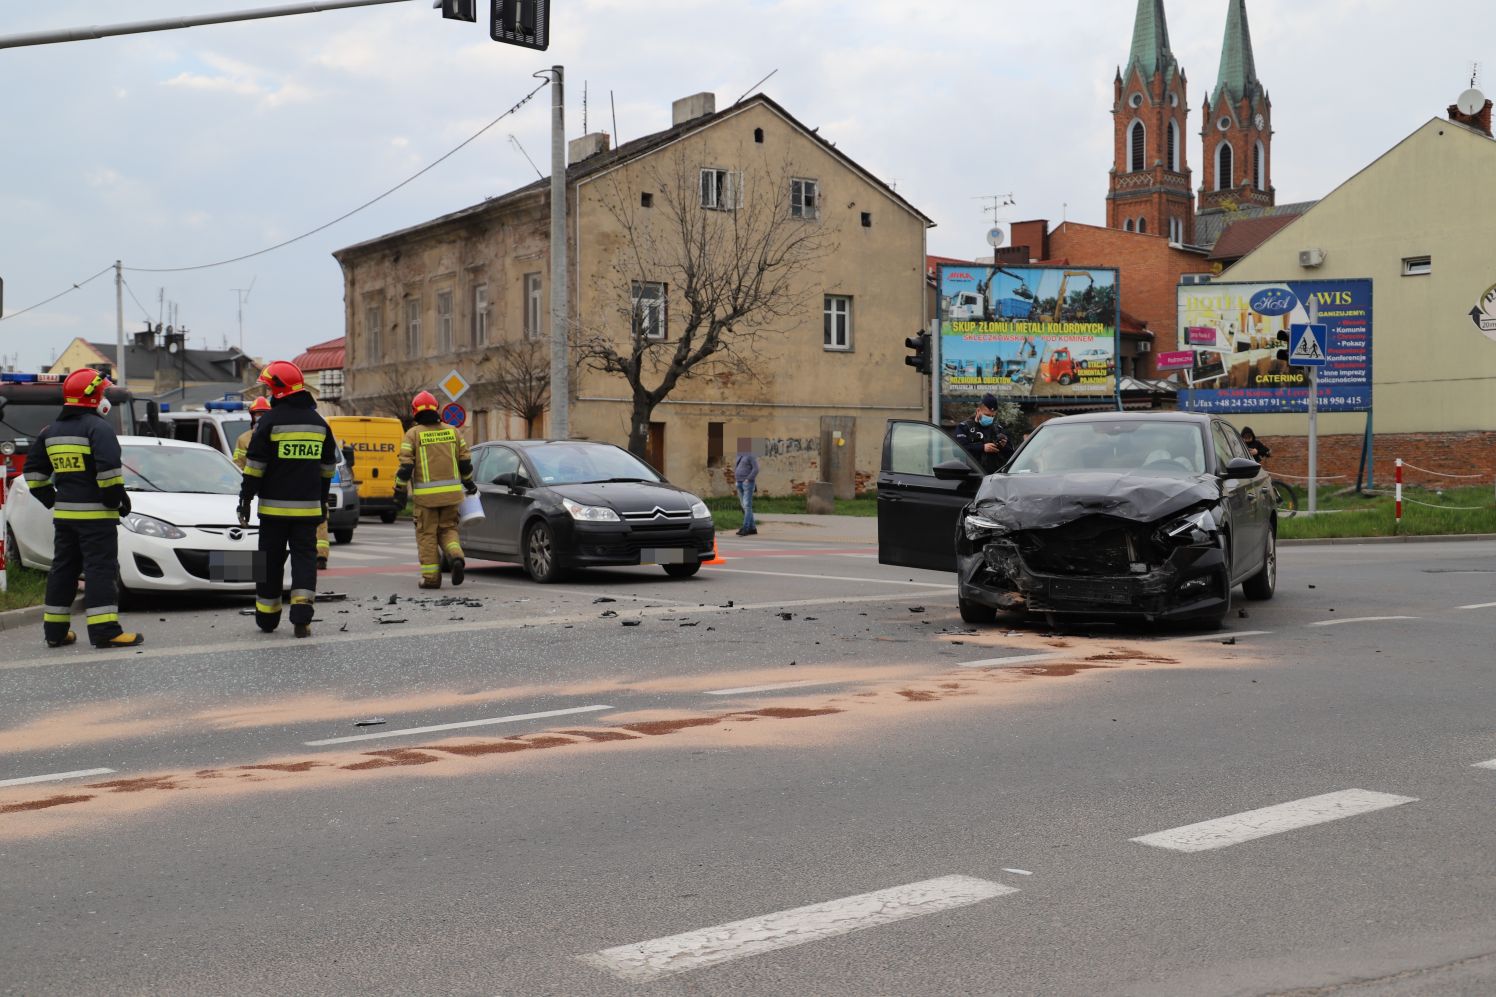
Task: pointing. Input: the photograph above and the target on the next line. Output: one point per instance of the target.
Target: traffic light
(920, 344)
(458, 10)
(1283, 340)
(522, 22)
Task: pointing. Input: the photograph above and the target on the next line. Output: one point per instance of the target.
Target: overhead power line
(59, 294)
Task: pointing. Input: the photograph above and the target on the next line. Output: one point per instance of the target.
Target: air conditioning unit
(1145, 347)
(1311, 258)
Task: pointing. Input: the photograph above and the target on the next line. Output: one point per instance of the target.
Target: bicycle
(1285, 497)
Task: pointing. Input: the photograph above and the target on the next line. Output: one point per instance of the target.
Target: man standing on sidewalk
(745, 479)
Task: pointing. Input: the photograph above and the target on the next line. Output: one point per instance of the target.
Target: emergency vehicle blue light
(164, 407)
(225, 405)
(10, 377)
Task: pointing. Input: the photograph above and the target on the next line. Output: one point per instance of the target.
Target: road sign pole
(1313, 418)
(936, 372)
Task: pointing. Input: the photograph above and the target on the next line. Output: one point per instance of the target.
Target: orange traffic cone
(716, 558)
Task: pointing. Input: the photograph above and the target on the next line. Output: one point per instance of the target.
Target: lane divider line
(1252, 824)
(1478, 765)
(489, 722)
(770, 688)
(1480, 605)
(643, 962)
(54, 777)
(1019, 872)
(1362, 619)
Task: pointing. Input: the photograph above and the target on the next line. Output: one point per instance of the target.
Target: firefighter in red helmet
(436, 468)
(288, 465)
(75, 469)
(257, 408)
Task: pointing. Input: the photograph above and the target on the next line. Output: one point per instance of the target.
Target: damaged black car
(1149, 515)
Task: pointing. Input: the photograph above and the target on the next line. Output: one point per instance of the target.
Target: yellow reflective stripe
(73, 514)
(240, 453)
(118, 479)
(57, 618)
(430, 569)
(425, 467)
(267, 607)
(280, 510)
(304, 437)
(55, 448)
(250, 471)
(103, 618)
(43, 483)
(326, 474)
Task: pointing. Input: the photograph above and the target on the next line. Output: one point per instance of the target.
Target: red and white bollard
(1398, 493)
(2, 530)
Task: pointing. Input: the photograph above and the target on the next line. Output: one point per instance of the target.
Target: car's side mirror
(955, 470)
(509, 479)
(1241, 468)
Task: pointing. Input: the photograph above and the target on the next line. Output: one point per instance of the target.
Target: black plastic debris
(343, 629)
(1229, 640)
(916, 609)
(726, 605)
(1243, 613)
(394, 600)
(246, 612)
(786, 616)
(371, 722)
(807, 619)
(602, 599)
(385, 620)
(692, 623)
(331, 597)
(1314, 586)
(608, 614)
(630, 623)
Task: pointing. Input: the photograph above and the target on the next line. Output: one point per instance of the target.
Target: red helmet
(85, 388)
(258, 406)
(282, 378)
(424, 402)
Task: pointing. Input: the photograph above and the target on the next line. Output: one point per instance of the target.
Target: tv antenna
(243, 295)
(999, 201)
(515, 142)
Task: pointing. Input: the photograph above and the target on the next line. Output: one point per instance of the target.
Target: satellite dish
(997, 236)
(1471, 102)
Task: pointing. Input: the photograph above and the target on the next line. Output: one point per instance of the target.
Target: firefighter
(74, 468)
(432, 459)
(289, 465)
(258, 408)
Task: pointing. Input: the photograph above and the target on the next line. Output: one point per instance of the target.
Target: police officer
(289, 464)
(74, 468)
(258, 408)
(983, 438)
(432, 459)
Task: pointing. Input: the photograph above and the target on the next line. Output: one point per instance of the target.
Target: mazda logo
(236, 534)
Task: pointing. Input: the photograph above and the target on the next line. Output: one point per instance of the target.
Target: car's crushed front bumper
(208, 559)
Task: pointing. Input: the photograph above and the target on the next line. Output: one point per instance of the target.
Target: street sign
(1307, 345)
(455, 385)
(454, 415)
(521, 22)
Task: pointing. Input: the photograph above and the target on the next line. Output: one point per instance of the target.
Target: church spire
(1238, 76)
(1150, 40)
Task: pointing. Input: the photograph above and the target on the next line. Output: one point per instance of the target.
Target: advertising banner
(1236, 330)
(1026, 332)
(1175, 360)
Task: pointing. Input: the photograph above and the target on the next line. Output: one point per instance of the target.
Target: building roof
(1241, 237)
(1211, 225)
(323, 356)
(1150, 41)
(1238, 73)
(603, 161)
(220, 366)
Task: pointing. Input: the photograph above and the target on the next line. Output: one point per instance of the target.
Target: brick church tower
(1237, 127)
(1151, 189)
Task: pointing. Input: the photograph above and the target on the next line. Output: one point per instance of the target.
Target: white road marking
(1235, 829)
(1019, 872)
(1223, 635)
(643, 962)
(1479, 765)
(768, 688)
(1361, 619)
(831, 578)
(54, 777)
(1017, 659)
(1480, 605)
(456, 726)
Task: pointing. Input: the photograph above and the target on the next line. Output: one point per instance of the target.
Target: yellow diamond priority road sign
(455, 385)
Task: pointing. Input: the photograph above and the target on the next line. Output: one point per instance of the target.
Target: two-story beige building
(823, 367)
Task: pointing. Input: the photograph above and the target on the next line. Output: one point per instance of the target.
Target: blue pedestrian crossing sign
(1306, 345)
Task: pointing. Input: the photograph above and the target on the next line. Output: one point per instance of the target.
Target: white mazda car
(182, 533)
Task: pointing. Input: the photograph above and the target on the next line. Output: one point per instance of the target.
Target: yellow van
(376, 449)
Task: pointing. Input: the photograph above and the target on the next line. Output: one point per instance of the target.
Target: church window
(1173, 100)
(1225, 167)
(1173, 158)
(1143, 225)
(1127, 225)
(1259, 167)
(1136, 100)
(1137, 140)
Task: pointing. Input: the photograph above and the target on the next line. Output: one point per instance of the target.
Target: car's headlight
(980, 527)
(700, 511)
(589, 513)
(149, 526)
(1198, 529)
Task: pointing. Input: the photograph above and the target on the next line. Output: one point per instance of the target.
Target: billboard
(1026, 332)
(1236, 330)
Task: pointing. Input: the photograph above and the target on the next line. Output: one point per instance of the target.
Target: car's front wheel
(12, 551)
(1262, 585)
(682, 570)
(975, 612)
(388, 516)
(542, 560)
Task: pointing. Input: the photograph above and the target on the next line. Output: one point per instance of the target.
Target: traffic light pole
(935, 371)
(173, 23)
(560, 427)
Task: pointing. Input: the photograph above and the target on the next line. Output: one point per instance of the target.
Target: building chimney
(1480, 120)
(690, 108)
(588, 146)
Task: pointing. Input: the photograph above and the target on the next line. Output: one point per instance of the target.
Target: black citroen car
(1115, 514)
(554, 506)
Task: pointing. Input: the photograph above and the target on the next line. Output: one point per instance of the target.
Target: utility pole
(1313, 373)
(560, 428)
(242, 293)
(119, 323)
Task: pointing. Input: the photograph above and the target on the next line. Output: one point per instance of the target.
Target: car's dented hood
(1044, 501)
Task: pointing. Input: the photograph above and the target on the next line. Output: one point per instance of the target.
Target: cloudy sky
(182, 148)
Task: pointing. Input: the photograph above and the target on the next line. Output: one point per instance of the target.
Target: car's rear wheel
(1262, 585)
(343, 536)
(975, 612)
(682, 570)
(388, 516)
(542, 560)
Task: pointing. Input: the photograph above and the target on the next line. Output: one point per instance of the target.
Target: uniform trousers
(436, 531)
(89, 547)
(280, 537)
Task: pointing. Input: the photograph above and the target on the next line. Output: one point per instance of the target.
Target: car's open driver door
(917, 511)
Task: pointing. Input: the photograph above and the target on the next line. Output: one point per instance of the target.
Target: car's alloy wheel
(540, 554)
(1262, 585)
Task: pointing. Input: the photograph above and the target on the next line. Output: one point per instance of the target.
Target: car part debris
(916, 609)
(384, 621)
(786, 616)
(394, 600)
(607, 614)
(371, 722)
(630, 623)
(602, 599)
(1229, 640)
(331, 597)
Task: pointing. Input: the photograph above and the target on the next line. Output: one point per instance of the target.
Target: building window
(330, 384)
(714, 444)
(720, 188)
(1259, 166)
(804, 199)
(444, 322)
(373, 329)
(758, 135)
(1137, 141)
(1142, 225)
(1225, 167)
(480, 315)
(646, 200)
(532, 306)
(412, 327)
(480, 425)
(838, 322)
(1176, 230)
(867, 219)
(1127, 225)
(1418, 266)
(649, 310)
(1174, 145)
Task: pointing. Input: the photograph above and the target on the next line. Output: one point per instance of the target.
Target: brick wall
(1449, 453)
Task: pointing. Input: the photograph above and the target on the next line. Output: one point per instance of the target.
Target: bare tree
(394, 386)
(517, 375)
(727, 250)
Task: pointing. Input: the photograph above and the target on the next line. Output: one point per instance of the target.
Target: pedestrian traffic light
(920, 344)
(521, 22)
(458, 10)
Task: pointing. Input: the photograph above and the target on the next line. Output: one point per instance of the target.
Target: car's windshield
(579, 463)
(179, 469)
(234, 428)
(1124, 445)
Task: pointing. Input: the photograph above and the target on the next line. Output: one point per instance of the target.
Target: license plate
(1111, 593)
(664, 555)
(231, 565)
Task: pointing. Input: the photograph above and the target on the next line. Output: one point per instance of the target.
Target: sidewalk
(814, 529)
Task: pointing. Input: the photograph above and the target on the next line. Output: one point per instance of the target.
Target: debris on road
(1229, 640)
(331, 597)
(786, 616)
(692, 623)
(1243, 614)
(384, 620)
(1313, 586)
(726, 605)
(371, 722)
(607, 614)
(630, 623)
(602, 599)
(916, 609)
(394, 600)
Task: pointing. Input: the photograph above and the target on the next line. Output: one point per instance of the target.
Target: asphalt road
(928, 809)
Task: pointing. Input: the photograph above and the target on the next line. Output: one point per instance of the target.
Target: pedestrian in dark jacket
(1259, 449)
(982, 438)
(745, 480)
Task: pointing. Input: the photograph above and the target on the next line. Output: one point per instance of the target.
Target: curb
(1346, 541)
(15, 619)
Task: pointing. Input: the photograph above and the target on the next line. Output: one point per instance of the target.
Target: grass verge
(26, 588)
(729, 516)
(1425, 513)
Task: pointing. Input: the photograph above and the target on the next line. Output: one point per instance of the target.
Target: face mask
(984, 420)
(104, 407)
